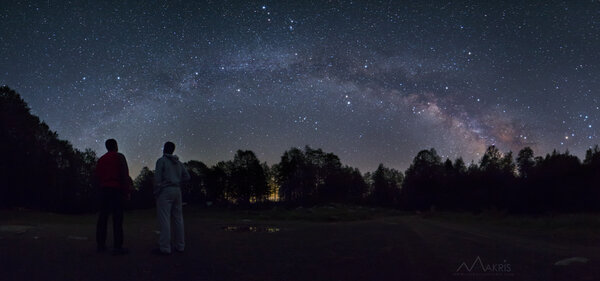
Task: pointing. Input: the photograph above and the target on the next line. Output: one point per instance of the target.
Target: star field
(371, 81)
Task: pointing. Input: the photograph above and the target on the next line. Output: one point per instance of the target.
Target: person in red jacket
(115, 186)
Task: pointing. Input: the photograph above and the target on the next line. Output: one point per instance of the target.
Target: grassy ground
(327, 213)
(582, 227)
(332, 242)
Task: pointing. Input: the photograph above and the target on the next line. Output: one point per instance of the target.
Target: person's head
(169, 148)
(111, 145)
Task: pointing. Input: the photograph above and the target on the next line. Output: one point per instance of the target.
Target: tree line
(43, 172)
(558, 182)
(38, 169)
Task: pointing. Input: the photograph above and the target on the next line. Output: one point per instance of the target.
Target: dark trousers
(111, 202)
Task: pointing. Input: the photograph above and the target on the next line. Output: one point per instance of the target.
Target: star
(458, 80)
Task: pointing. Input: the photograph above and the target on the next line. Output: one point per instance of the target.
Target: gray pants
(168, 206)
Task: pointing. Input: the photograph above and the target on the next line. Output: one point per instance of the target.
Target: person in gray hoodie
(169, 175)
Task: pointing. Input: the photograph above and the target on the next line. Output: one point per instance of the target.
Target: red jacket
(112, 171)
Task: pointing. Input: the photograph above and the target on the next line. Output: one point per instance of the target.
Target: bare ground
(37, 246)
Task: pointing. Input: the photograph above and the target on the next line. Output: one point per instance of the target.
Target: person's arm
(126, 181)
(185, 175)
(158, 173)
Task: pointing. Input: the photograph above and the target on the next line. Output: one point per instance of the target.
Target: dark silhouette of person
(169, 174)
(115, 186)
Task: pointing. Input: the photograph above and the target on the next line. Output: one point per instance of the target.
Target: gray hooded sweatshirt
(169, 172)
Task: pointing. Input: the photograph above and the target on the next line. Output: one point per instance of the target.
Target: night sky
(371, 81)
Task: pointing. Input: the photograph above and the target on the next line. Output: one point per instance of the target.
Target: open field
(326, 243)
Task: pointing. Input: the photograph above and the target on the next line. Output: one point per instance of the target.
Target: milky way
(373, 82)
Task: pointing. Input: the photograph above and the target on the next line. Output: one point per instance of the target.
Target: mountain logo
(478, 267)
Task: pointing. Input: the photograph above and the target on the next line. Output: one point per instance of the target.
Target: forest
(41, 171)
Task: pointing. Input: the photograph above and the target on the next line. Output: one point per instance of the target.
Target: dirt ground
(37, 246)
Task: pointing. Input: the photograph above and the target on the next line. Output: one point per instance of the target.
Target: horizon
(135, 172)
